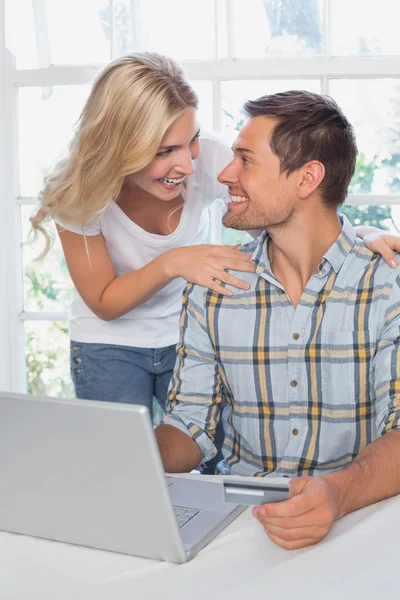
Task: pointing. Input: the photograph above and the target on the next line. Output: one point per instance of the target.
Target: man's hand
(305, 518)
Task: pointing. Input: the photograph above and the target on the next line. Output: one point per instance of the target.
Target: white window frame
(325, 68)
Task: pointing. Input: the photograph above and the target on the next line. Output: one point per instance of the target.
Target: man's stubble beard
(243, 222)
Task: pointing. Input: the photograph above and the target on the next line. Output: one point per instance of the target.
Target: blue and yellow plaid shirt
(299, 391)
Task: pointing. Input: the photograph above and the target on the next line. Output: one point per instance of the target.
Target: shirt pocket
(347, 365)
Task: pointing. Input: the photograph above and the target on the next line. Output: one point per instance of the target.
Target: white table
(358, 559)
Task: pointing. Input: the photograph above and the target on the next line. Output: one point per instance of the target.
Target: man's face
(260, 195)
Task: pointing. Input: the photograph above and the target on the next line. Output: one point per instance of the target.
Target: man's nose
(229, 174)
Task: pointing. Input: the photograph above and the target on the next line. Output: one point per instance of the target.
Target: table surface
(358, 559)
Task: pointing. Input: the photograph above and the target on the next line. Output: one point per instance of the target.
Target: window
(232, 50)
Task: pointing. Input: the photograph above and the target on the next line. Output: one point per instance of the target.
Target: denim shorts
(122, 373)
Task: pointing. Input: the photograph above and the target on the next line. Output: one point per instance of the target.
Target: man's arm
(193, 409)
(317, 502)
(179, 452)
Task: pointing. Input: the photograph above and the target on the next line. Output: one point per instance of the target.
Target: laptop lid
(87, 473)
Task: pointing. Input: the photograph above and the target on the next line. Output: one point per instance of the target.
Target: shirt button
(293, 383)
(295, 431)
(77, 361)
(296, 336)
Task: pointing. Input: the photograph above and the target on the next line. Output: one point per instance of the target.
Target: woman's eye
(164, 153)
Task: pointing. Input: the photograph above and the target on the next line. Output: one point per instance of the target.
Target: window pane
(373, 108)
(78, 32)
(20, 33)
(56, 32)
(47, 284)
(235, 94)
(382, 216)
(233, 236)
(361, 27)
(205, 111)
(46, 121)
(124, 24)
(47, 358)
(271, 28)
(183, 29)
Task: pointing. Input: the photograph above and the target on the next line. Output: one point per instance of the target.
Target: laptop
(90, 473)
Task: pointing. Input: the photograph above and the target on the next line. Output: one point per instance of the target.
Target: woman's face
(180, 146)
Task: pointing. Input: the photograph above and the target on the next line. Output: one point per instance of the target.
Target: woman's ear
(311, 176)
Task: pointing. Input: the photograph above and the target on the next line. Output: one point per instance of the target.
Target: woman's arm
(110, 296)
(381, 242)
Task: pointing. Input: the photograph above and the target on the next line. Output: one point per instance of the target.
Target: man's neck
(296, 250)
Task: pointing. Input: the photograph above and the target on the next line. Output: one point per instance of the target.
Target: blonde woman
(131, 207)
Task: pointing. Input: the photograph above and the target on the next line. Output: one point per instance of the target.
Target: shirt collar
(334, 257)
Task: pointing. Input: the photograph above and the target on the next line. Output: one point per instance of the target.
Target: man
(304, 367)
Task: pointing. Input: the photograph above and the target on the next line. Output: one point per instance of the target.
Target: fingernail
(393, 263)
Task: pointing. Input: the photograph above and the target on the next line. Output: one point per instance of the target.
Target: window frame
(326, 68)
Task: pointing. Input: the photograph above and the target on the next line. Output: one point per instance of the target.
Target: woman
(132, 213)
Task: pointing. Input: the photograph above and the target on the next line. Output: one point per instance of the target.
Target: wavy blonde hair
(133, 102)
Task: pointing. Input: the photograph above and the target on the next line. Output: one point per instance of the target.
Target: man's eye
(244, 160)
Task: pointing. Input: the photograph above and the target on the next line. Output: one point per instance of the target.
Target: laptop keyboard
(183, 515)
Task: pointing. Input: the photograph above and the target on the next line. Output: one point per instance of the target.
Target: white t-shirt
(155, 323)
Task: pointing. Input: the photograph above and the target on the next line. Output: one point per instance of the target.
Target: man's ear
(310, 177)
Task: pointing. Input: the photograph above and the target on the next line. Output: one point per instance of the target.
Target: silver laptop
(90, 473)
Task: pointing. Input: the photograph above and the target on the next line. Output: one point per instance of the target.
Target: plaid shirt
(299, 391)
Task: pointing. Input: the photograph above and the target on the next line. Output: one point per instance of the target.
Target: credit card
(257, 492)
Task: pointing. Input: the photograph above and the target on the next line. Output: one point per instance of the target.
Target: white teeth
(238, 198)
(172, 181)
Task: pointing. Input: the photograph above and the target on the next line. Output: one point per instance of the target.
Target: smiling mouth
(169, 181)
(234, 199)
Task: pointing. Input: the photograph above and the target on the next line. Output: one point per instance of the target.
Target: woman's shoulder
(92, 226)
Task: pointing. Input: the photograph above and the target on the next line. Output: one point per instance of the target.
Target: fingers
(231, 252)
(302, 520)
(292, 544)
(221, 276)
(385, 245)
(309, 519)
(390, 258)
(294, 507)
(214, 286)
(234, 281)
(299, 533)
(234, 261)
(239, 265)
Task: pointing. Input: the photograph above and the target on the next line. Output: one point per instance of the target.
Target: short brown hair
(311, 127)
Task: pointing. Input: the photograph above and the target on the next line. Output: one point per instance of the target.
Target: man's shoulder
(251, 246)
(362, 263)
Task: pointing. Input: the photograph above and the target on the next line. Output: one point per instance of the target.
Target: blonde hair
(133, 102)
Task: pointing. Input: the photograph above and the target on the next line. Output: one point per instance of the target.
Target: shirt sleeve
(92, 229)
(387, 365)
(196, 391)
(215, 155)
